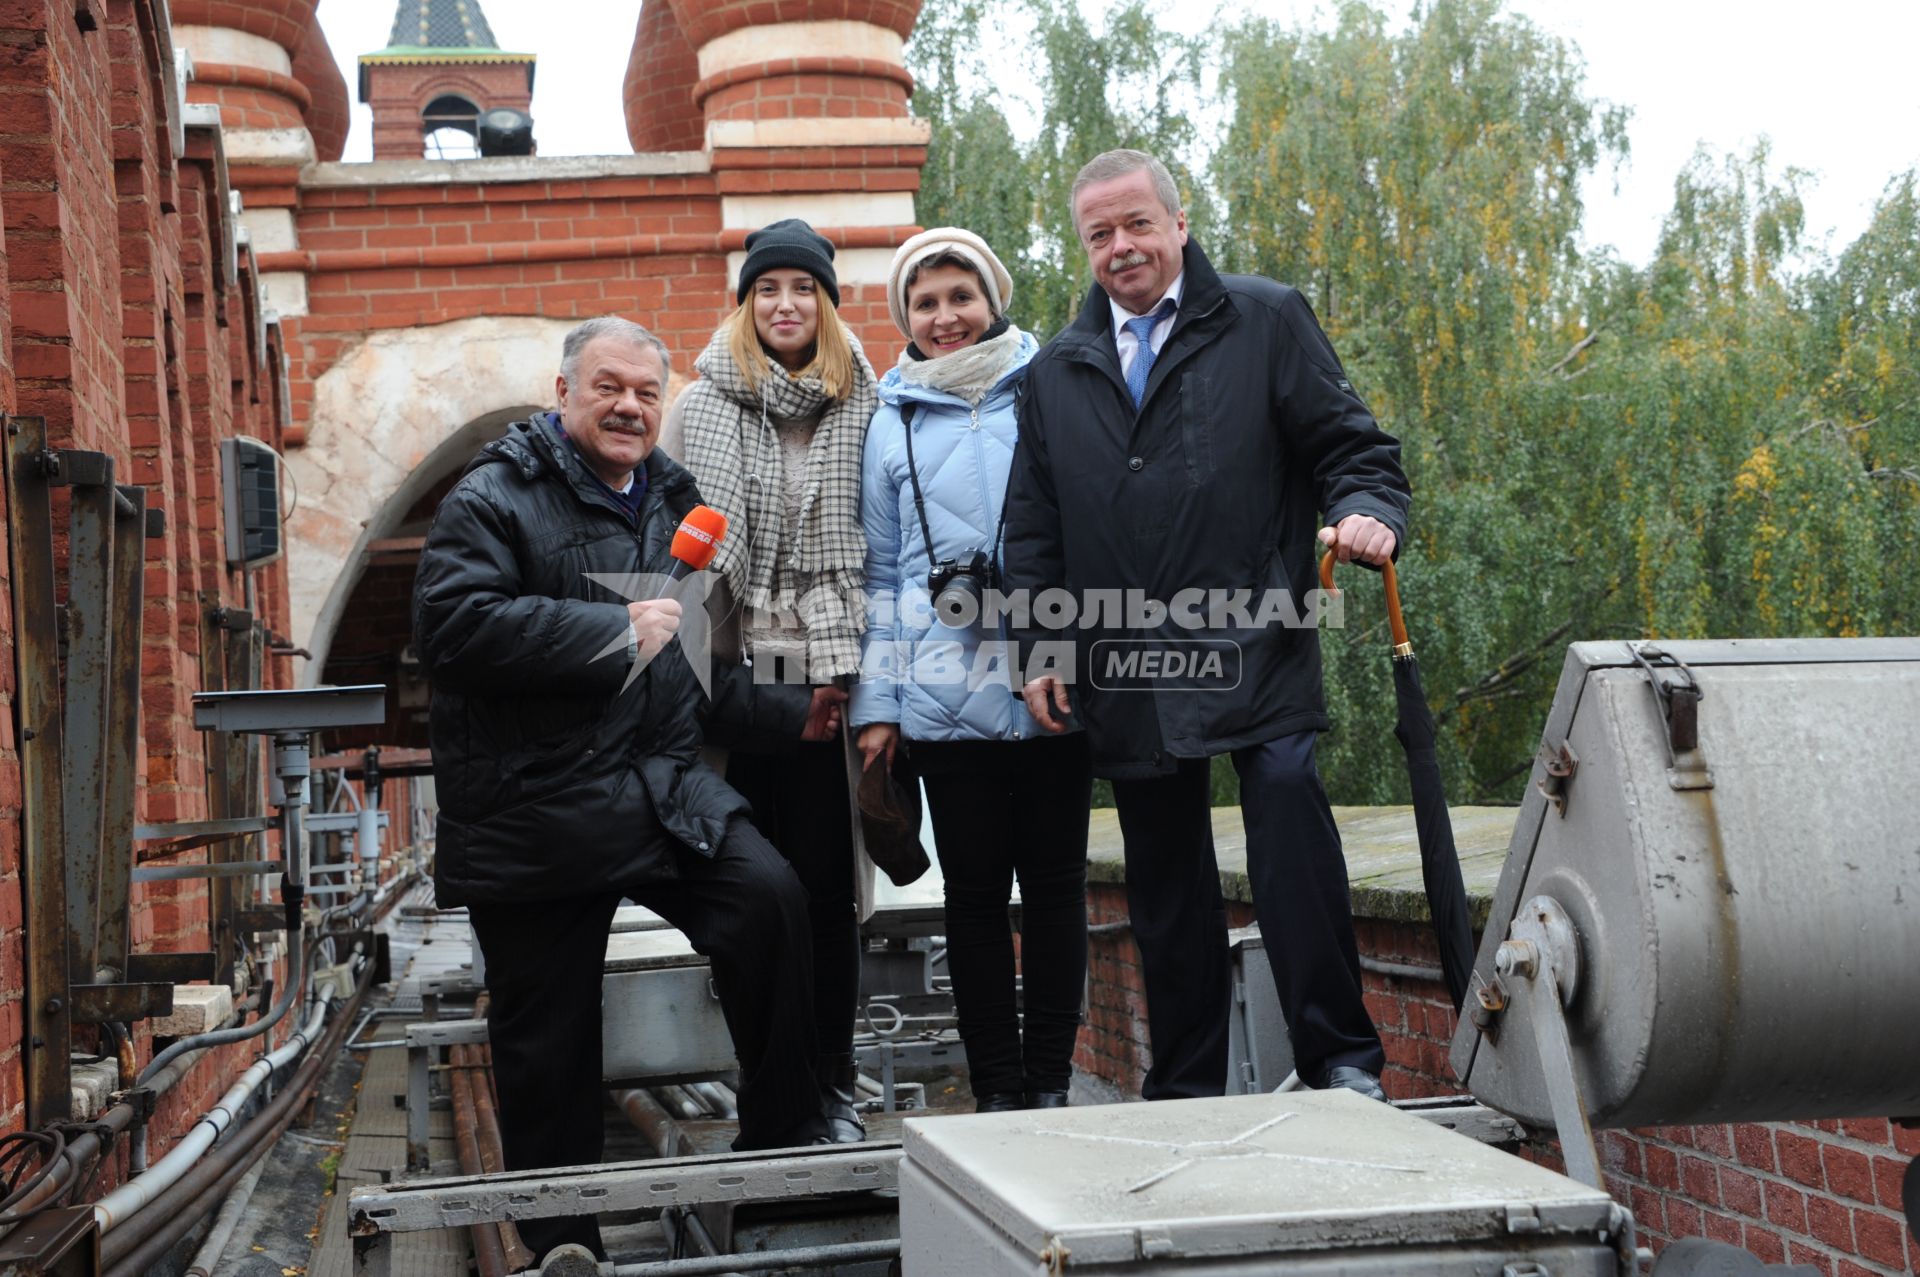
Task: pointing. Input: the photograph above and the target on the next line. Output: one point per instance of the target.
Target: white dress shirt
(1129, 345)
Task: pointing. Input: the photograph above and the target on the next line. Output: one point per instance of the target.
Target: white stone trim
(236, 48)
(271, 229)
(850, 266)
(401, 409)
(853, 208)
(893, 130)
(503, 168)
(833, 38)
(268, 146)
(285, 291)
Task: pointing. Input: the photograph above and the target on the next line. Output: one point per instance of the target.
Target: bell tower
(441, 71)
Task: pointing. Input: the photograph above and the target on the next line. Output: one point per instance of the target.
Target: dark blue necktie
(1143, 357)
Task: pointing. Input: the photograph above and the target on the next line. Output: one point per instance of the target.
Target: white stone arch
(392, 418)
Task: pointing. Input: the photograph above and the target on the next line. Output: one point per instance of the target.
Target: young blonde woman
(773, 431)
(1008, 800)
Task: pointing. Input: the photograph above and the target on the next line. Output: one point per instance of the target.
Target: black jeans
(1299, 879)
(545, 960)
(801, 806)
(1001, 810)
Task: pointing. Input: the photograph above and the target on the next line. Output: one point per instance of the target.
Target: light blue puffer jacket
(936, 682)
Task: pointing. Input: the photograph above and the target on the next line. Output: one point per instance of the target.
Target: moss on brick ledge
(1383, 856)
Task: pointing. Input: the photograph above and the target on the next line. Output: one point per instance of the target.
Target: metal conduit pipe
(679, 1103)
(489, 1248)
(111, 1124)
(207, 1259)
(1405, 970)
(113, 1209)
(652, 1121)
(493, 1157)
(716, 1099)
(296, 973)
(760, 1261)
(134, 1251)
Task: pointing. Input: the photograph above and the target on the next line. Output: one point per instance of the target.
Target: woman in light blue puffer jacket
(1008, 800)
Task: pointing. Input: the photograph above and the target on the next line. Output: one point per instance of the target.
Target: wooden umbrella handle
(1397, 623)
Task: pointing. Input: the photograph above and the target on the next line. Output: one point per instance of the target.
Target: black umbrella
(1439, 862)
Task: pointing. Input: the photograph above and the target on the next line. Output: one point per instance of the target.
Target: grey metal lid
(1243, 1175)
(650, 951)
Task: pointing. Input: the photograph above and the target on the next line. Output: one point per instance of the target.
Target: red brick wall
(329, 118)
(12, 916)
(118, 326)
(658, 91)
(703, 20)
(650, 248)
(1819, 1193)
(782, 95)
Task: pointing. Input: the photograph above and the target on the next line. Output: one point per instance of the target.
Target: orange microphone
(695, 543)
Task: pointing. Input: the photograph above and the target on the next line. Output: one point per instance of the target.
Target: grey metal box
(1316, 1183)
(662, 1019)
(1259, 1053)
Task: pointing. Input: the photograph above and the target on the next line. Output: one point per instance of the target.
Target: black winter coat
(552, 780)
(1249, 437)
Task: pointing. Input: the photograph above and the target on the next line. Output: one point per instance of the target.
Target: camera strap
(907, 411)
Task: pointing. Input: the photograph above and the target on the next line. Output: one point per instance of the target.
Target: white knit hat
(931, 243)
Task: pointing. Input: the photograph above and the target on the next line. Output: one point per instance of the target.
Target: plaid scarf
(817, 568)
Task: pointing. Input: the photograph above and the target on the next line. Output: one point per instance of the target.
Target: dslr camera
(959, 588)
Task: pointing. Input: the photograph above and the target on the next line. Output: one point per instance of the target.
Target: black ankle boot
(836, 1073)
(999, 1102)
(1046, 1099)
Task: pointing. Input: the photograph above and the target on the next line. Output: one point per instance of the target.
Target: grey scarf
(730, 445)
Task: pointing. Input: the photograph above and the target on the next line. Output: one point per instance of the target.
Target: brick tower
(441, 69)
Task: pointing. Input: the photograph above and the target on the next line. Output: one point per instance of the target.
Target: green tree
(1723, 442)
(1120, 85)
(975, 175)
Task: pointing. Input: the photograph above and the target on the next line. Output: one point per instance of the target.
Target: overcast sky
(1831, 85)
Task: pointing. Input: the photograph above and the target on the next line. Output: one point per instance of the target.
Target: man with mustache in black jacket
(1191, 432)
(566, 735)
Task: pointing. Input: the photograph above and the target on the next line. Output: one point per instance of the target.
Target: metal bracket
(119, 1003)
(234, 620)
(169, 968)
(1531, 959)
(143, 1100)
(60, 1240)
(1561, 764)
(188, 834)
(1678, 700)
(255, 921)
(1466, 1116)
(72, 466)
(219, 869)
(1488, 1005)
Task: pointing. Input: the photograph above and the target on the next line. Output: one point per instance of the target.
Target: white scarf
(969, 373)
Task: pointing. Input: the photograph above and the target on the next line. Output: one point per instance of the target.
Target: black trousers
(801, 806)
(1299, 879)
(1004, 810)
(746, 911)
